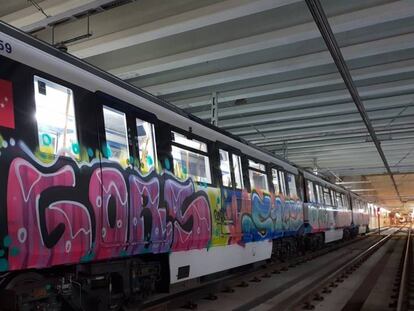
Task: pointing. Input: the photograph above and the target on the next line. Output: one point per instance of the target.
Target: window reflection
(190, 163)
(116, 148)
(147, 145)
(55, 116)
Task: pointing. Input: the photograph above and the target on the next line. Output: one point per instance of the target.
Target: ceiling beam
(173, 25)
(346, 22)
(391, 136)
(401, 145)
(331, 114)
(317, 128)
(352, 52)
(332, 101)
(31, 18)
(393, 152)
(309, 83)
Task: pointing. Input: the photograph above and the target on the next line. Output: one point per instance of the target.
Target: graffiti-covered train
(108, 193)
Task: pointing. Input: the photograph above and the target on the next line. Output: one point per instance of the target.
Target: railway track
(260, 284)
(363, 283)
(406, 285)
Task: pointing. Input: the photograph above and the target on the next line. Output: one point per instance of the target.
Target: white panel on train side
(333, 235)
(362, 229)
(36, 58)
(217, 258)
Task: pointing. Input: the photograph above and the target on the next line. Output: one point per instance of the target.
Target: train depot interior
(208, 155)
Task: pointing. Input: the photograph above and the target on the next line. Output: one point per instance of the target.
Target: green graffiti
(88, 257)
(4, 265)
(150, 162)
(75, 148)
(46, 139)
(14, 251)
(7, 241)
(167, 164)
(106, 151)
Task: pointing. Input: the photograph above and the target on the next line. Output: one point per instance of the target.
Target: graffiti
(191, 215)
(236, 204)
(43, 232)
(66, 212)
(149, 227)
(63, 210)
(272, 217)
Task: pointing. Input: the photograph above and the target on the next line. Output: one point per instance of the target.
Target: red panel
(6, 104)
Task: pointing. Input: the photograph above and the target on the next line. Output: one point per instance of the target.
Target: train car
(108, 193)
(379, 217)
(361, 213)
(329, 213)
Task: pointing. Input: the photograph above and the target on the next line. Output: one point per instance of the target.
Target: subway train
(109, 194)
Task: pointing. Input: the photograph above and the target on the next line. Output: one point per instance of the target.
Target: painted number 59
(5, 46)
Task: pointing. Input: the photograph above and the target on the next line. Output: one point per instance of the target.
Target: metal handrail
(403, 283)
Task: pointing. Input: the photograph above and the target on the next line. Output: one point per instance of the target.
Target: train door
(49, 219)
(234, 200)
(110, 181)
(130, 185)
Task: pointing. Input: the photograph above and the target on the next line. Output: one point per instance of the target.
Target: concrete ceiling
(276, 83)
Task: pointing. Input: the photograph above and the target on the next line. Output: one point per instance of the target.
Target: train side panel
(82, 208)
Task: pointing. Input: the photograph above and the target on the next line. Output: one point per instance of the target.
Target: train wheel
(28, 291)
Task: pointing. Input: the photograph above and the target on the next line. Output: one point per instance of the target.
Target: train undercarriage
(110, 285)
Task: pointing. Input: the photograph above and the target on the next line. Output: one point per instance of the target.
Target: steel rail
(405, 271)
(315, 287)
(322, 22)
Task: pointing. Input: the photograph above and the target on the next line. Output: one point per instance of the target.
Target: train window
(191, 143)
(225, 168)
(257, 166)
(344, 201)
(282, 182)
(116, 136)
(327, 196)
(333, 198)
(311, 192)
(292, 185)
(257, 176)
(319, 193)
(238, 174)
(339, 199)
(275, 180)
(55, 116)
(146, 145)
(190, 159)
